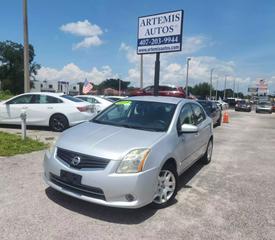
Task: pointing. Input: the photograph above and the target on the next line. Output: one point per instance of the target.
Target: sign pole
(156, 80)
(141, 71)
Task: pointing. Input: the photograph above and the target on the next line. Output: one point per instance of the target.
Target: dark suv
(164, 90)
(242, 105)
(212, 110)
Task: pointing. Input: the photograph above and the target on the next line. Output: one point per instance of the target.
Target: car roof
(47, 93)
(173, 100)
(87, 96)
(205, 101)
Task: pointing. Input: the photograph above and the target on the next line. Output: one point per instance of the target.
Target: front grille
(77, 188)
(86, 161)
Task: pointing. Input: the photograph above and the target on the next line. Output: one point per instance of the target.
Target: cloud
(73, 73)
(90, 32)
(194, 43)
(84, 28)
(88, 42)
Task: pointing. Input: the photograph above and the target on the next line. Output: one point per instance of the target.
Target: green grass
(11, 144)
(5, 95)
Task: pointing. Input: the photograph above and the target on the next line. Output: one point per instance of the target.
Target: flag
(87, 87)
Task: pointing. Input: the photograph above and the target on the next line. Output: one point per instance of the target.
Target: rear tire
(206, 159)
(58, 122)
(167, 187)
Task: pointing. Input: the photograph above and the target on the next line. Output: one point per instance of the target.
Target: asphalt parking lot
(232, 198)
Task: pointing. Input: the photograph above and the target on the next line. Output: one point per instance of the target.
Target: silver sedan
(132, 153)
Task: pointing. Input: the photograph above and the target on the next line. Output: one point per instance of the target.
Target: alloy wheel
(166, 187)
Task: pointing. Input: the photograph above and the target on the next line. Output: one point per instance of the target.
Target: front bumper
(245, 109)
(268, 110)
(141, 186)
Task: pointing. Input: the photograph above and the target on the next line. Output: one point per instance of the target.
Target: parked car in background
(140, 147)
(212, 110)
(56, 110)
(243, 105)
(219, 105)
(99, 103)
(223, 104)
(264, 106)
(231, 101)
(273, 107)
(164, 90)
(114, 98)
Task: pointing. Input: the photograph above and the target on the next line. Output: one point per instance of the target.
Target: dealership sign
(252, 90)
(262, 86)
(160, 33)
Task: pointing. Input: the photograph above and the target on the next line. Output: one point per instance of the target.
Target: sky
(96, 39)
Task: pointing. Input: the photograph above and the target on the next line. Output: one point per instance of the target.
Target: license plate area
(70, 178)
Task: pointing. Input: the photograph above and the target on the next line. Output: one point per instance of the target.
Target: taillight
(82, 109)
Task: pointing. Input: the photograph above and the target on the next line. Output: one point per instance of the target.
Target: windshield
(265, 103)
(73, 99)
(149, 116)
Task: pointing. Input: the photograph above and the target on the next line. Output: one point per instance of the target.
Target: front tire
(206, 159)
(58, 122)
(167, 187)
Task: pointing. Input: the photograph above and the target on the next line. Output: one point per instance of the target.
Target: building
(53, 86)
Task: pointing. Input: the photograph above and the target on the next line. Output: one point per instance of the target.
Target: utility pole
(211, 75)
(119, 86)
(141, 71)
(224, 91)
(217, 89)
(187, 70)
(237, 89)
(26, 49)
(234, 87)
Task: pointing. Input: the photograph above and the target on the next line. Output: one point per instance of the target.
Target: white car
(99, 102)
(56, 110)
(223, 104)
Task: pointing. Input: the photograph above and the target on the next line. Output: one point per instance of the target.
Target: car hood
(106, 141)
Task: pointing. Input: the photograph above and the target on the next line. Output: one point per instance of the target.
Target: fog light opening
(129, 197)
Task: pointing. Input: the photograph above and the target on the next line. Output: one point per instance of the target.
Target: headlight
(52, 147)
(134, 161)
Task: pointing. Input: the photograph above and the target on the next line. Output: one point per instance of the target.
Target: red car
(164, 90)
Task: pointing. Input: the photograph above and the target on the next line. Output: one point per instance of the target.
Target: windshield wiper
(144, 128)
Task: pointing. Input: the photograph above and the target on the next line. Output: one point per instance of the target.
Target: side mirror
(188, 128)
